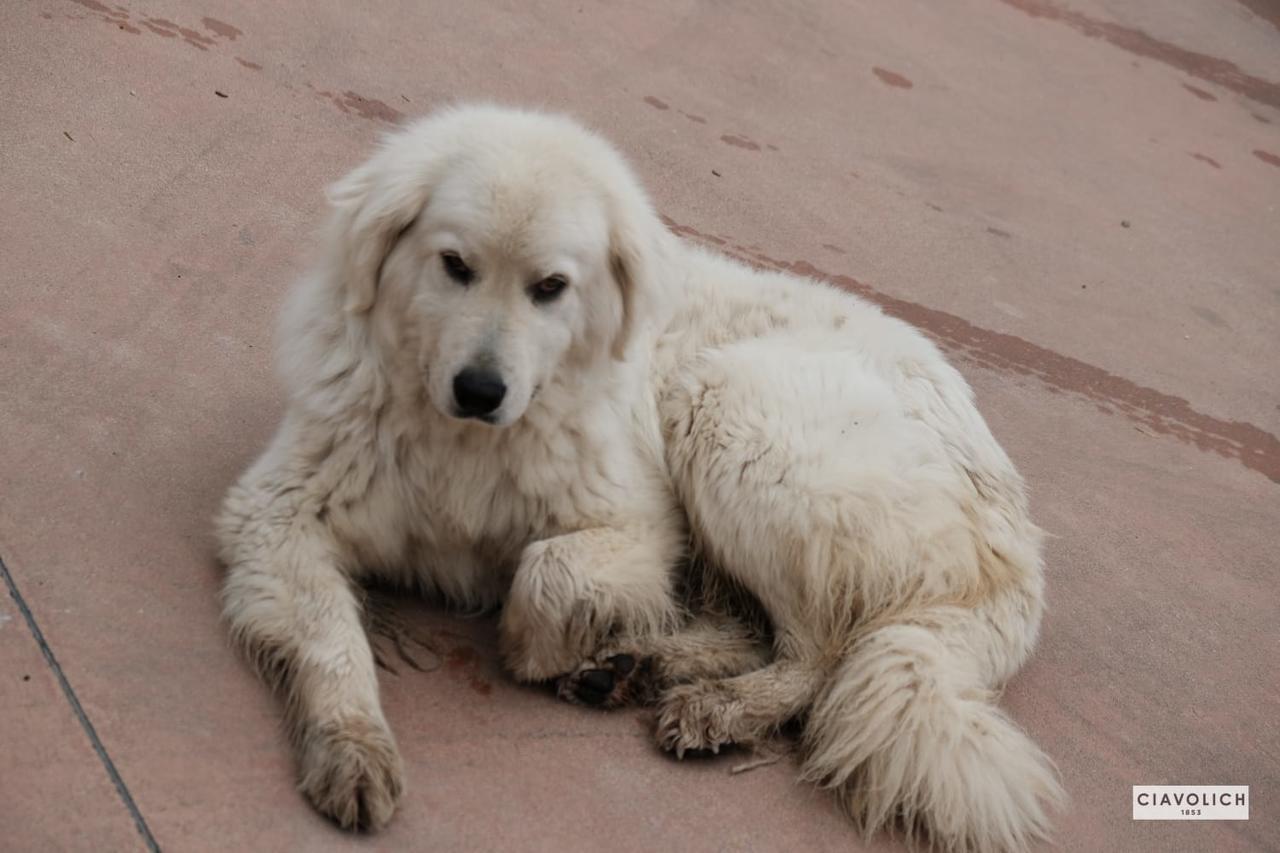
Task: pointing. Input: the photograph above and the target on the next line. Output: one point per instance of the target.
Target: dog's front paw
(351, 771)
(550, 621)
(696, 718)
(609, 681)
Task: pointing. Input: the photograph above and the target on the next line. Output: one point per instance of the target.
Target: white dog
(508, 382)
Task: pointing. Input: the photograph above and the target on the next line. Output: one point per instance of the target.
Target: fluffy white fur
(817, 454)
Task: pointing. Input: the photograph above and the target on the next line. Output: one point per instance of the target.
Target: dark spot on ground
(164, 27)
(217, 27)
(892, 78)
(247, 64)
(1204, 158)
(933, 206)
(1260, 117)
(739, 142)
(1209, 316)
(1266, 157)
(999, 232)
(367, 108)
(656, 103)
(159, 30)
(1124, 223)
(830, 248)
(219, 93)
(463, 661)
(693, 118)
(94, 5)
(1200, 93)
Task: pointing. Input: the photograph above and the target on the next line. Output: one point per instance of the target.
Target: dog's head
(517, 246)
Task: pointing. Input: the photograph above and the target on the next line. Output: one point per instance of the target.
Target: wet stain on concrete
(463, 661)
(1266, 157)
(739, 142)
(999, 232)
(1152, 410)
(160, 31)
(659, 104)
(190, 36)
(367, 108)
(1200, 93)
(221, 28)
(1209, 316)
(1204, 158)
(1267, 10)
(247, 64)
(1211, 69)
(119, 17)
(892, 78)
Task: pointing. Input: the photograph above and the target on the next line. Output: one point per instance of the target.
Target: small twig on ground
(761, 756)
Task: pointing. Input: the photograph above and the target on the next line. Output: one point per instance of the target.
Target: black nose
(478, 392)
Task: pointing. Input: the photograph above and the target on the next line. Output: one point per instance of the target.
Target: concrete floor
(1077, 198)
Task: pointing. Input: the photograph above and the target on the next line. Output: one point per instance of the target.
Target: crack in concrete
(116, 780)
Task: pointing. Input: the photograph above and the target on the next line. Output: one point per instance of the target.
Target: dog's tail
(907, 733)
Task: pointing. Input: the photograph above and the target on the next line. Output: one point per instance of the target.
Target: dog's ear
(372, 207)
(636, 253)
(626, 263)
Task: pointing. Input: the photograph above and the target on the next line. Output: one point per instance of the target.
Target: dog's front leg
(293, 608)
(573, 591)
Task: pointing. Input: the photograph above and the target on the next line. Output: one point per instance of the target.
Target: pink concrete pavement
(1078, 198)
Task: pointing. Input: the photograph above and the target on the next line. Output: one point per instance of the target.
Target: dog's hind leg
(745, 709)
(292, 608)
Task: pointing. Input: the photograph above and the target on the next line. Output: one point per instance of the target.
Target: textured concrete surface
(1077, 198)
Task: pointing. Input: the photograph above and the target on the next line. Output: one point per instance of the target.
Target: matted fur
(819, 455)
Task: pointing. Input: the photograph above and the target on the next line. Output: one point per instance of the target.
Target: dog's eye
(456, 268)
(549, 288)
